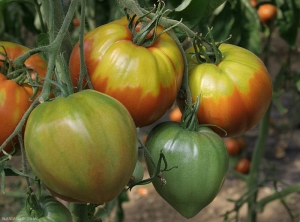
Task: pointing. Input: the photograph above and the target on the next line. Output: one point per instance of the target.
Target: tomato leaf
(239, 19)
(289, 23)
(192, 11)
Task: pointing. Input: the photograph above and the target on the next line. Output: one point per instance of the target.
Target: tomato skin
(243, 165)
(92, 140)
(14, 98)
(201, 159)
(145, 80)
(235, 94)
(266, 13)
(137, 174)
(53, 211)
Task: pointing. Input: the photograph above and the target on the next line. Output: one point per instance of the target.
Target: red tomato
(243, 165)
(76, 22)
(14, 97)
(144, 79)
(235, 94)
(233, 146)
(267, 13)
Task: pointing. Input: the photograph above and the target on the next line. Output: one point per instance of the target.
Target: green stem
(255, 163)
(277, 195)
(38, 10)
(24, 165)
(83, 68)
(79, 212)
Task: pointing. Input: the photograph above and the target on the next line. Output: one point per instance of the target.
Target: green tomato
(52, 211)
(83, 147)
(137, 174)
(198, 163)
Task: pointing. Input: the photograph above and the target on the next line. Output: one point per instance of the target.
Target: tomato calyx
(144, 31)
(158, 170)
(189, 119)
(206, 49)
(32, 205)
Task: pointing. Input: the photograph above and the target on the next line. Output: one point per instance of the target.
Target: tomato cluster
(83, 147)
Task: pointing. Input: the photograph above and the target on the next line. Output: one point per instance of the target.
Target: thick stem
(79, 212)
(83, 68)
(255, 164)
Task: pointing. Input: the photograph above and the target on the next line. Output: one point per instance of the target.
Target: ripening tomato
(235, 94)
(243, 165)
(233, 146)
(146, 80)
(175, 115)
(14, 95)
(83, 147)
(267, 13)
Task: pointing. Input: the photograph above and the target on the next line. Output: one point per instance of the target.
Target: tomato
(253, 2)
(175, 115)
(83, 147)
(14, 97)
(267, 13)
(235, 94)
(144, 79)
(201, 161)
(233, 146)
(53, 210)
(137, 174)
(243, 165)
(76, 22)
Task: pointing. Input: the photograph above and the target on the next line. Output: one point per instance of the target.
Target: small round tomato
(253, 2)
(76, 22)
(267, 13)
(235, 94)
(15, 95)
(83, 147)
(175, 115)
(233, 146)
(243, 165)
(146, 80)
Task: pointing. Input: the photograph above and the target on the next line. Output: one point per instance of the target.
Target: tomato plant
(267, 13)
(90, 137)
(15, 90)
(201, 162)
(144, 79)
(47, 209)
(243, 165)
(235, 94)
